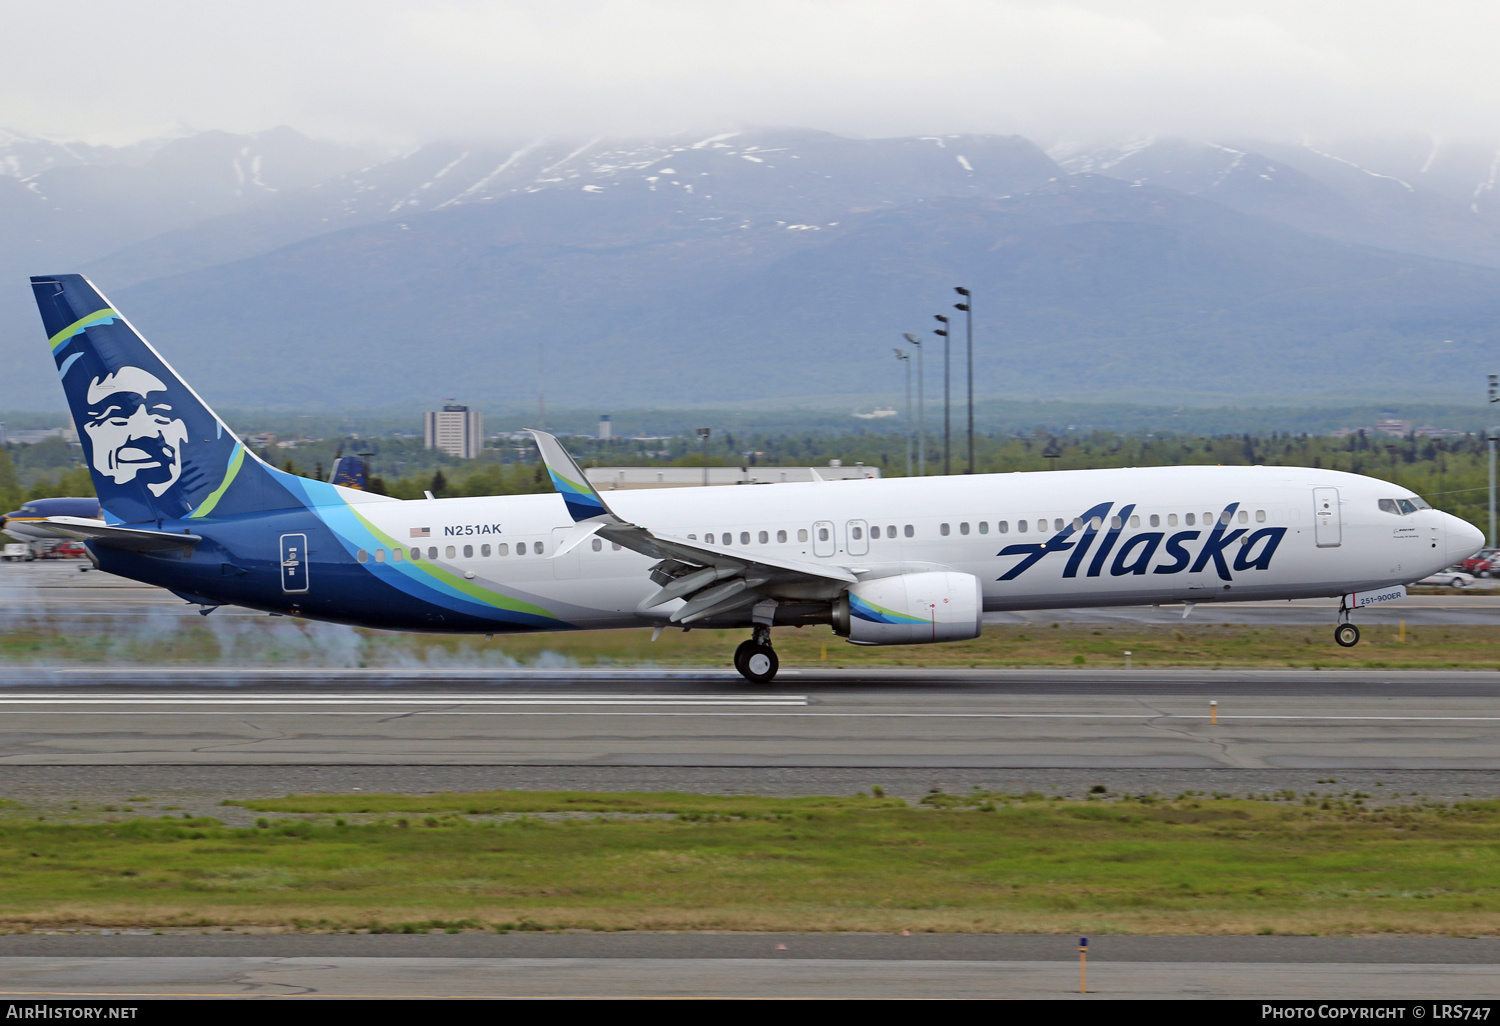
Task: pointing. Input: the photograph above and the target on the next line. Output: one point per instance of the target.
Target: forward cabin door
(1328, 527)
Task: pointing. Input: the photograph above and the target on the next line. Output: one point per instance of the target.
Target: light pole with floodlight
(905, 358)
(947, 419)
(921, 408)
(967, 307)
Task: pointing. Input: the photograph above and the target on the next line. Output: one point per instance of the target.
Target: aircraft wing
(711, 580)
(117, 537)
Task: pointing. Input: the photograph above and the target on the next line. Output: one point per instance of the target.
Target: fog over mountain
(277, 270)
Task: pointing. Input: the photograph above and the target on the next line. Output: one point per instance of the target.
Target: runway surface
(1374, 720)
(748, 965)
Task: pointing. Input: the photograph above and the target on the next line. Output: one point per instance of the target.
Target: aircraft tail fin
(154, 448)
(349, 471)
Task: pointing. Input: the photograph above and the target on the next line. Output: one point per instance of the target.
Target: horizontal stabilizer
(133, 539)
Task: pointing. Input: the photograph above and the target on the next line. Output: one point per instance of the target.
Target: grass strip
(638, 802)
(978, 863)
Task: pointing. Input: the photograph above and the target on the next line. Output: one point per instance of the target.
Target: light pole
(921, 408)
(1491, 438)
(906, 358)
(967, 307)
(703, 434)
(947, 419)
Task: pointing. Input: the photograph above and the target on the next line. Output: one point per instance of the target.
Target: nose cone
(1464, 539)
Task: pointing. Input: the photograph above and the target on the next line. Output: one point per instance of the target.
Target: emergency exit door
(1328, 527)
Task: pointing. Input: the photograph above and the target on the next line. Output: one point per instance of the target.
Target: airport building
(456, 430)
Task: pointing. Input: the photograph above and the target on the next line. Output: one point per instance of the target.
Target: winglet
(578, 495)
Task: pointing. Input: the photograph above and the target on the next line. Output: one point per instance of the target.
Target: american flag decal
(421, 532)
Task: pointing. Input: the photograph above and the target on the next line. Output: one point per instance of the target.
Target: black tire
(1458, 582)
(1346, 634)
(1482, 573)
(756, 663)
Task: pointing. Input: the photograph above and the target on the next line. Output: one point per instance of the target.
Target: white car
(1449, 579)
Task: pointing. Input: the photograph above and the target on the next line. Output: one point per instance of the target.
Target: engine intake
(910, 609)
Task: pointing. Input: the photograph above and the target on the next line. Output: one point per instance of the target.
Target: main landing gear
(756, 659)
(1346, 634)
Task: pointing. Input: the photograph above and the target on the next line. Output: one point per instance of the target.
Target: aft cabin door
(293, 563)
(1328, 526)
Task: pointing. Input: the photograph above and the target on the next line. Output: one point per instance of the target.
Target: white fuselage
(1290, 533)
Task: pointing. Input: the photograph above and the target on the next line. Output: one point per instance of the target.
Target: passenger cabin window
(1021, 526)
(468, 552)
(822, 534)
(1135, 521)
(963, 528)
(856, 533)
(802, 534)
(432, 552)
(1171, 519)
(448, 551)
(520, 548)
(984, 527)
(1003, 527)
(1260, 516)
(395, 555)
(598, 546)
(1155, 520)
(1188, 519)
(910, 531)
(1057, 525)
(416, 553)
(781, 536)
(944, 529)
(763, 537)
(536, 547)
(380, 555)
(890, 530)
(484, 551)
(875, 531)
(362, 555)
(503, 549)
(1115, 523)
(1244, 516)
(744, 537)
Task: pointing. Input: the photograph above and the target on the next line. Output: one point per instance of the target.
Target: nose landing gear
(1346, 634)
(756, 659)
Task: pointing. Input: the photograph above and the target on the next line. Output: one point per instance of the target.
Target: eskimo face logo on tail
(133, 430)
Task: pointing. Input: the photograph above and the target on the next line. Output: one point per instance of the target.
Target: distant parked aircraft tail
(156, 451)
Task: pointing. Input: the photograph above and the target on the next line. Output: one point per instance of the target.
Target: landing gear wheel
(757, 663)
(1346, 634)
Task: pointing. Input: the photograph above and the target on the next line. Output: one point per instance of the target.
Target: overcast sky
(1088, 70)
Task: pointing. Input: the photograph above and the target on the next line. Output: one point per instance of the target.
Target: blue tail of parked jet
(156, 451)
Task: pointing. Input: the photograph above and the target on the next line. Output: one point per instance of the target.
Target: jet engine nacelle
(910, 609)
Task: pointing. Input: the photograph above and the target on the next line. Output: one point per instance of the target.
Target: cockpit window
(1401, 507)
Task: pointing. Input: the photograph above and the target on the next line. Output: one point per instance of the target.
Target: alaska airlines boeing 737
(188, 507)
